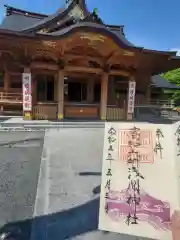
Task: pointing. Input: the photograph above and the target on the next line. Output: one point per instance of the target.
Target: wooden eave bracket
(61, 63)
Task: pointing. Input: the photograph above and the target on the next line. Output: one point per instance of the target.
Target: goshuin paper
(140, 179)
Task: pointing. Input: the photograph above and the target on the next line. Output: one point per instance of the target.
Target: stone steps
(49, 125)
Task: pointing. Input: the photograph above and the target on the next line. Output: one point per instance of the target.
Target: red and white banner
(131, 96)
(26, 88)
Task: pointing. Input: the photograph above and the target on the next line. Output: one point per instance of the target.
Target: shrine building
(72, 65)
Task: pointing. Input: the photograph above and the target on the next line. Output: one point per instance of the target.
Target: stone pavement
(20, 158)
(67, 202)
(21, 120)
(51, 190)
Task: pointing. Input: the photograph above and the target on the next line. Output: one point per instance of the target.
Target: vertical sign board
(27, 98)
(140, 179)
(131, 96)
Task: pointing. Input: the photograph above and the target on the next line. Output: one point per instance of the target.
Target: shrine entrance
(82, 97)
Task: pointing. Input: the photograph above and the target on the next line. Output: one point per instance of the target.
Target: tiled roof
(123, 38)
(18, 22)
(44, 22)
(119, 38)
(160, 82)
(21, 23)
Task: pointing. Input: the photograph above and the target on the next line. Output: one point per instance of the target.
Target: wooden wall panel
(80, 112)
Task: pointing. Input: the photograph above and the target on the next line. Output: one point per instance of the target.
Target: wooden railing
(45, 111)
(114, 113)
(10, 97)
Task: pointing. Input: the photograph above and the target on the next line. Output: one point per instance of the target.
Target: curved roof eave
(56, 17)
(120, 40)
(175, 57)
(18, 10)
(160, 82)
(16, 22)
(173, 53)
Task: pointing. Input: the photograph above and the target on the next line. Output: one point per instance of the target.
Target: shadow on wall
(62, 225)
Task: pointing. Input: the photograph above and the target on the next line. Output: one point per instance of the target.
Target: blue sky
(153, 24)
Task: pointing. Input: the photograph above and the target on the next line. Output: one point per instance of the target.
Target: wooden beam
(14, 73)
(96, 70)
(99, 60)
(47, 55)
(41, 65)
(120, 53)
(111, 56)
(121, 82)
(81, 76)
(83, 69)
(120, 73)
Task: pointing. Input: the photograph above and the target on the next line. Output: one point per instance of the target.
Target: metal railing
(150, 112)
(164, 103)
(158, 103)
(10, 97)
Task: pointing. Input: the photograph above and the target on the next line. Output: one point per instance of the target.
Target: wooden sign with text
(26, 88)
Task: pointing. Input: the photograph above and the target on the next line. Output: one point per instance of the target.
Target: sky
(152, 24)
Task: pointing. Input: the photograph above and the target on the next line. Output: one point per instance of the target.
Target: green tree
(174, 77)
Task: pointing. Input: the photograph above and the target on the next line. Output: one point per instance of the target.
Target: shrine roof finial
(68, 2)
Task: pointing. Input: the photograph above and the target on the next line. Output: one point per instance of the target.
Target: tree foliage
(174, 77)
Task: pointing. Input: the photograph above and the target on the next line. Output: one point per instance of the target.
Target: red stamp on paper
(144, 148)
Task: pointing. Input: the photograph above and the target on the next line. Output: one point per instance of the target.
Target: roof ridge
(115, 26)
(57, 16)
(10, 10)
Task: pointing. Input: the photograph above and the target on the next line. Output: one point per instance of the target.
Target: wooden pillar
(56, 86)
(90, 90)
(6, 82)
(104, 89)
(27, 94)
(148, 94)
(60, 84)
(112, 97)
(131, 98)
(6, 88)
(2, 109)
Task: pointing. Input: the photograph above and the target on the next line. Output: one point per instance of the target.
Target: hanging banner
(26, 88)
(131, 96)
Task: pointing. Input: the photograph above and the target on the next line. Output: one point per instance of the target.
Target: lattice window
(45, 88)
(1, 79)
(15, 81)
